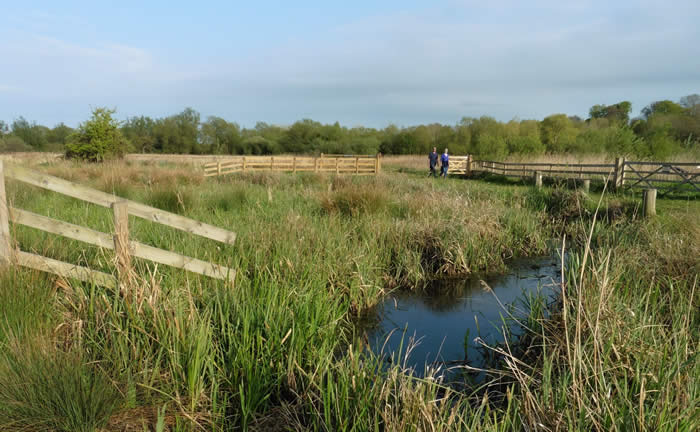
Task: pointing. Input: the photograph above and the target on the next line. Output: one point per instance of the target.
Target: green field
(279, 350)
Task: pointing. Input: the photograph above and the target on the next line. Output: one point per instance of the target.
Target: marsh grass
(42, 388)
(279, 350)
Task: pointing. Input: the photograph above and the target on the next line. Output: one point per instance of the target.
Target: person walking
(445, 159)
(433, 158)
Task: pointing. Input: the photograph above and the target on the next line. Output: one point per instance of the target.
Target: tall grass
(279, 350)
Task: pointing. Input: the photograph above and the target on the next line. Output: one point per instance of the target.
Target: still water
(446, 317)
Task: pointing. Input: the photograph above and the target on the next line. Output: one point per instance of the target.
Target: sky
(369, 63)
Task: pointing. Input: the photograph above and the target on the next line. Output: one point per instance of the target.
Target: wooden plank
(103, 199)
(181, 223)
(5, 239)
(65, 229)
(59, 185)
(64, 270)
(176, 260)
(121, 241)
(140, 250)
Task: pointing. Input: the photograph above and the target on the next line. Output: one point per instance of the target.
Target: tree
(662, 107)
(219, 136)
(140, 133)
(619, 112)
(690, 101)
(58, 136)
(31, 133)
(491, 146)
(3, 128)
(692, 104)
(98, 138)
(558, 134)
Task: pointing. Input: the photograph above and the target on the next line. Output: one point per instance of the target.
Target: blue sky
(366, 63)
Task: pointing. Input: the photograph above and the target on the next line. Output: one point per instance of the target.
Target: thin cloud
(438, 63)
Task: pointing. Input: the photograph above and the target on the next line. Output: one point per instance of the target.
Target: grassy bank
(278, 351)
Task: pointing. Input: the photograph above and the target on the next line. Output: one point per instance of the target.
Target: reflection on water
(447, 317)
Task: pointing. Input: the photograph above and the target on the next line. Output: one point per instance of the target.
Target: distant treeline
(665, 128)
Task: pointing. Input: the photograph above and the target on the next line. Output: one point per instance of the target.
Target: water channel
(447, 317)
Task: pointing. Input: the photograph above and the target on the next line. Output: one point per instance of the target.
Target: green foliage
(98, 138)
(558, 133)
(58, 137)
(662, 107)
(11, 143)
(492, 147)
(613, 140)
(220, 137)
(617, 113)
(607, 130)
(526, 145)
(32, 134)
(52, 390)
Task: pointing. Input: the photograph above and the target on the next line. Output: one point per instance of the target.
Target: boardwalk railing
(670, 176)
(118, 241)
(337, 164)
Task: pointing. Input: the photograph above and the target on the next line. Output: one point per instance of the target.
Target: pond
(446, 317)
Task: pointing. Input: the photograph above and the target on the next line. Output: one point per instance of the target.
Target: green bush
(98, 138)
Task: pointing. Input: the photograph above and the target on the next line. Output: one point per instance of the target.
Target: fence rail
(338, 164)
(118, 241)
(670, 176)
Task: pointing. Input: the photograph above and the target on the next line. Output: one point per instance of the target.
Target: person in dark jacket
(445, 159)
(433, 158)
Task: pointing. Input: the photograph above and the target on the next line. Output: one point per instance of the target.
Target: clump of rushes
(279, 350)
(44, 388)
(351, 200)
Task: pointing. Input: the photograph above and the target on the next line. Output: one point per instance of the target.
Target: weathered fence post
(537, 178)
(272, 163)
(121, 240)
(316, 164)
(218, 168)
(294, 164)
(244, 164)
(379, 163)
(619, 172)
(469, 165)
(5, 241)
(337, 171)
(649, 202)
(357, 165)
(586, 186)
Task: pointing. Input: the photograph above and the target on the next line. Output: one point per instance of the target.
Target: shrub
(98, 138)
(12, 143)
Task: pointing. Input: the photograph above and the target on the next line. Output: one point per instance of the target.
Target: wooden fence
(337, 164)
(670, 176)
(118, 241)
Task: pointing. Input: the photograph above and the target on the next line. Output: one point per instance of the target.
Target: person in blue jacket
(433, 158)
(445, 160)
